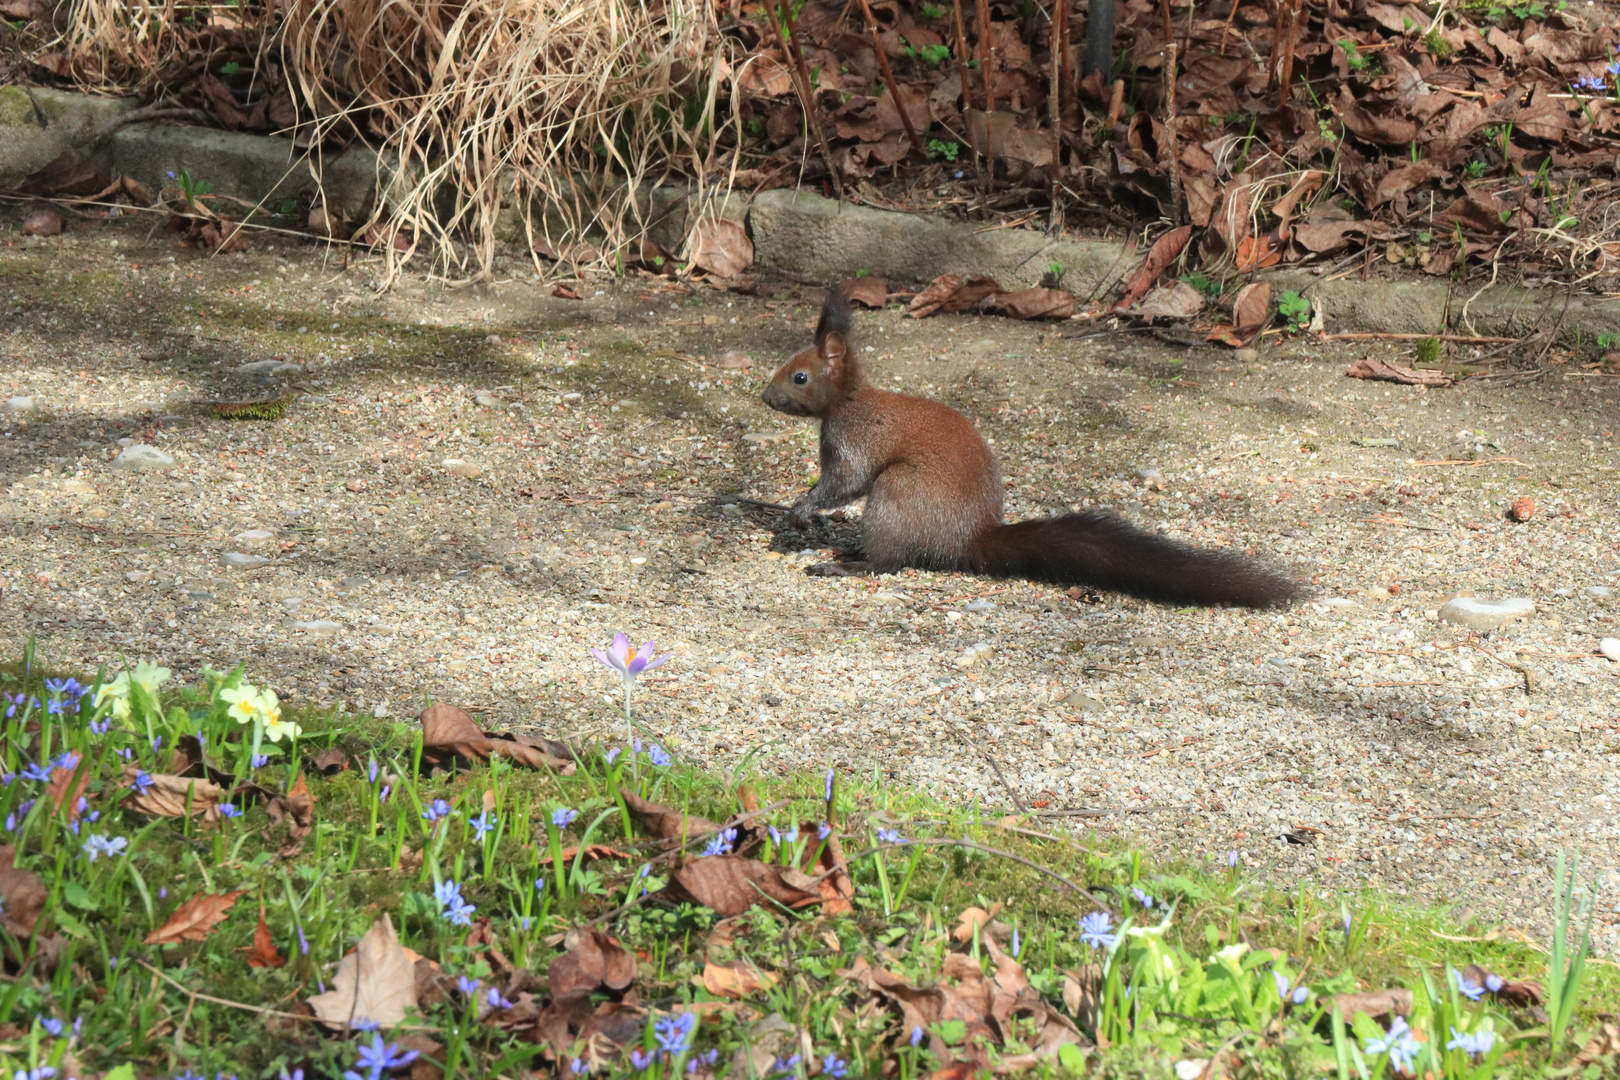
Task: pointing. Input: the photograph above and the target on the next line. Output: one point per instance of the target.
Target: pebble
(464, 469)
(139, 456)
(734, 360)
(17, 404)
(1600, 592)
(764, 438)
(319, 627)
(268, 367)
(486, 400)
(254, 537)
(1151, 477)
(1337, 603)
(77, 487)
(981, 605)
(1083, 701)
(1484, 614)
(238, 560)
(1246, 356)
(1610, 647)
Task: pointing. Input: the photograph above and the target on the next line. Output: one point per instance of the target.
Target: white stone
(17, 404)
(1484, 614)
(254, 538)
(1600, 592)
(319, 627)
(1610, 647)
(236, 560)
(142, 457)
(464, 469)
(77, 487)
(1337, 603)
(487, 400)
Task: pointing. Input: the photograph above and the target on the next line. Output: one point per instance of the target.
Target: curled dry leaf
(591, 960)
(952, 292)
(1370, 368)
(1036, 303)
(565, 292)
(329, 762)
(449, 734)
(22, 895)
(1251, 311)
(262, 953)
(375, 983)
(835, 886)
(737, 980)
(664, 822)
(731, 884)
(1523, 508)
(722, 248)
(870, 292)
(1522, 994)
(195, 919)
(1165, 251)
(1172, 300)
(170, 795)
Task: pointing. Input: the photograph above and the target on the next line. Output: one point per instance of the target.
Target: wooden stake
(888, 80)
(790, 41)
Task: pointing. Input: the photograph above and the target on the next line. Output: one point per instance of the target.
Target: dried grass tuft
(551, 117)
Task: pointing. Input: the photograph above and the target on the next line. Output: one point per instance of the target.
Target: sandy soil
(422, 544)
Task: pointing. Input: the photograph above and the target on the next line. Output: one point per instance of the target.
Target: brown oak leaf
(194, 919)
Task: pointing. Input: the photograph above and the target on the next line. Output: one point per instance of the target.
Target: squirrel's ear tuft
(835, 316)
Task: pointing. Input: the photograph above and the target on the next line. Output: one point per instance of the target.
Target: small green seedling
(942, 148)
(1426, 351)
(1295, 310)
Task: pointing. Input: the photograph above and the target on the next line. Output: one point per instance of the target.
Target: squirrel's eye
(801, 377)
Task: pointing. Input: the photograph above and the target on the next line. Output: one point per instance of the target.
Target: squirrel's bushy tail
(1106, 552)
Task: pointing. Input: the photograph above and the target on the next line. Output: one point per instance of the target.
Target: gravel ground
(420, 543)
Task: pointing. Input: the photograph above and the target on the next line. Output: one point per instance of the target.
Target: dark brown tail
(1107, 552)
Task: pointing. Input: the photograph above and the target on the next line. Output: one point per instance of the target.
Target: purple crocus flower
(619, 657)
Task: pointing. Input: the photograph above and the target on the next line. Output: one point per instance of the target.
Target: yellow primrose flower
(116, 692)
(149, 677)
(274, 726)
(246, 703)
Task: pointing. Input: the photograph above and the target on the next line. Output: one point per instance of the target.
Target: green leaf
(77, 895)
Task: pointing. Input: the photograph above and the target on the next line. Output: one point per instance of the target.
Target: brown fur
(934, 495)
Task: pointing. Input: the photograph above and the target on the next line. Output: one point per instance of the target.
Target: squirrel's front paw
(800, 519)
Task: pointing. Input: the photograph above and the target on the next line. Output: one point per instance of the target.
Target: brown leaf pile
(977, 292)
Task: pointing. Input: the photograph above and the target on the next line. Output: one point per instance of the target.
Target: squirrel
(934, 496)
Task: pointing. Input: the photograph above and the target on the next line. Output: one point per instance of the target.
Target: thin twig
(790, 40)
(156, 111)
(1011, 794)
(1462, 339)
(888, 80)
(1090, 811)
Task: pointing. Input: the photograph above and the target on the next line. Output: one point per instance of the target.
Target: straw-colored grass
(559, 110)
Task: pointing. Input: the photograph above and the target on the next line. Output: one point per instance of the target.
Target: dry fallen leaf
(1036, 303)
(564, 292)
(591, 959)
(374, 983)
(664, 822)
(737, 980)
(22, 895)
(1370, 368)
(871, 292)
(1251, 311)
(167, 795)
(731, 884)
(1165, 251)
(952, 292)
(1172, 300)
(722, 248)
(449, 733)
(194, 919)
(262, 953)
(1374, 1003)
(68, 786)
(298, 807)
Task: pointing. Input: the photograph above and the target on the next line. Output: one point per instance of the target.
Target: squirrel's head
(817, 376)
